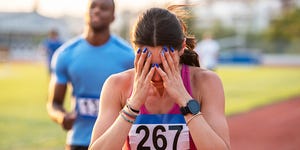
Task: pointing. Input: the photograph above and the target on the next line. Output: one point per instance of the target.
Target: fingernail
(139, 50)
(157, 66)
(149, 54)
(172, 49)
(165, 49)
(162, 53)
(145, 49)
(153, 65)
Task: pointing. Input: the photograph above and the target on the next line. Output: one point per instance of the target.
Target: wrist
(133, 110)
(182, 101)
(61, 117)
(191, 107)
(133, 105)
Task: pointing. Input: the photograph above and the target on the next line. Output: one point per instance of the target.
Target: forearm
(114, 137)
(56, 100)
(204, 136)
(56, 112)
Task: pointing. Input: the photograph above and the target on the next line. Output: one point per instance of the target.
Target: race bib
(165, 136)
(87, 107)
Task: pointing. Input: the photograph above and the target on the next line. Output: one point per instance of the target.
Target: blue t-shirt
(87, 67)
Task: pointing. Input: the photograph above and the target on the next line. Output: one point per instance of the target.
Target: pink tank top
(162, 131)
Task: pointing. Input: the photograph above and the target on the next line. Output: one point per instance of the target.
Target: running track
(274, 127)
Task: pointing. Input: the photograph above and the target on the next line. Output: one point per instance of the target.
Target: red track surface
(274, 127)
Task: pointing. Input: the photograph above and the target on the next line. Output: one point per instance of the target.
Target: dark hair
(161, 27)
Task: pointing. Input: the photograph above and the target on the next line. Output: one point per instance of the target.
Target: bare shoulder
(122, 77)
(204, 76)
(120, 84)
(204, 82)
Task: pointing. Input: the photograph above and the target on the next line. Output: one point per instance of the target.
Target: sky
(52, 8)
(57, 8)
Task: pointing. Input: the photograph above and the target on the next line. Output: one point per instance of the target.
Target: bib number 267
(159, 140)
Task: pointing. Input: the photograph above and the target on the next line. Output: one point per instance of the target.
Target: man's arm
(55, 105)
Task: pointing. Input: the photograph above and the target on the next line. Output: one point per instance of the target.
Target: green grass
(249, 87)
(24, 123)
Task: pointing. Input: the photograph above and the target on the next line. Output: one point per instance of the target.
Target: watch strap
(184, 110)
(192, 107)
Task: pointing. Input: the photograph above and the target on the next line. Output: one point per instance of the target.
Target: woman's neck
(158, 101)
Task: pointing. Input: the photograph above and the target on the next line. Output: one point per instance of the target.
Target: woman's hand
(142, 79)
(171, 76)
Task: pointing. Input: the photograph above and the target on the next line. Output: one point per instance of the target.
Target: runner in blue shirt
(51, 44)
(86, 62)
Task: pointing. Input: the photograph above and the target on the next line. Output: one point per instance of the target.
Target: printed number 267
(156, 136)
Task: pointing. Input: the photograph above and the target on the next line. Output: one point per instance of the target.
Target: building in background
(244, 18)
(22, 32)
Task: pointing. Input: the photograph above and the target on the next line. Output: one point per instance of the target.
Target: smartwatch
(192, 107)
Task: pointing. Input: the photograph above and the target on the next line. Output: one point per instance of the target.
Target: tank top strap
(185, 74)
(143, 110)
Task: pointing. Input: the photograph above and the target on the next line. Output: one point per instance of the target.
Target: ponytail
(189, 57)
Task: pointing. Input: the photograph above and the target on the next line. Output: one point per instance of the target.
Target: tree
(285, 31)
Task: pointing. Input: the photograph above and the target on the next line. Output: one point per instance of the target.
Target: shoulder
(124, 75)
(63, 52)
(121, 79)
(121, 82)
(120, 42)
(204, 79)
(71, 43)
(204, 74)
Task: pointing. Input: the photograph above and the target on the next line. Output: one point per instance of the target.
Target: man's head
(53, 34)
(100, 14)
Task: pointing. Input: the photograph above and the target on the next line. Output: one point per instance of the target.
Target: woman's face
(156, 58)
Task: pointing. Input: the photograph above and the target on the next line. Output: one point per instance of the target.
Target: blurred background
(258, 61)
(249, 31)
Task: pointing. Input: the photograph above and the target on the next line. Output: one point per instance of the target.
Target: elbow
(48, 107)
(55, 112)
(51, 109)
(91, 147)
(224, 146)
(228, 147)
(97, 146)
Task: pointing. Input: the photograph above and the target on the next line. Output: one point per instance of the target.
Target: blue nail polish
(157, 66)
(145, 50)
(163, 53)
(153, 65)
(139, 50)
(165, 49)
(172, 49)
(149, 54)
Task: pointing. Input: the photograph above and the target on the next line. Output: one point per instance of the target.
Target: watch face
(194, 106)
